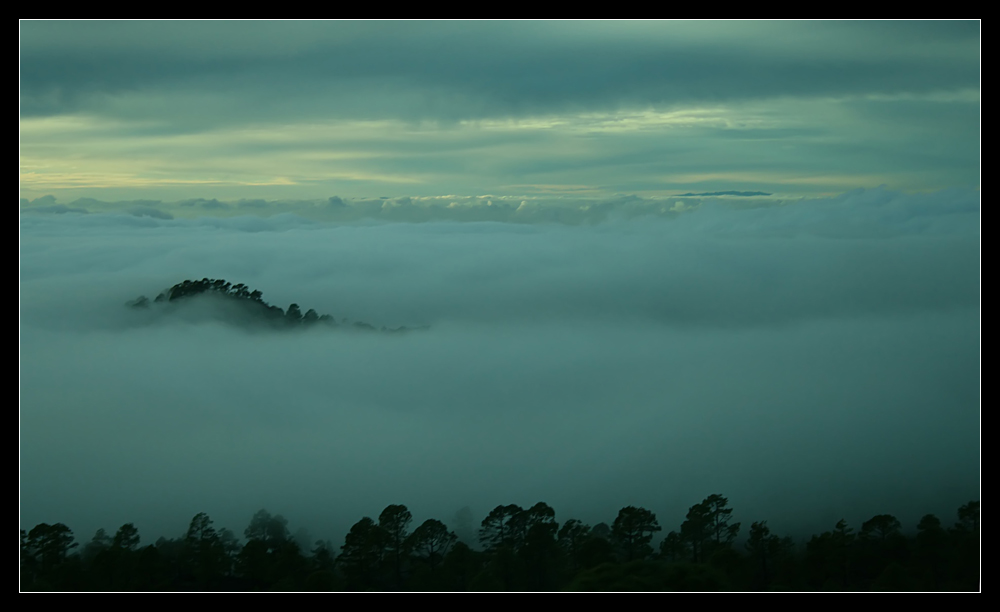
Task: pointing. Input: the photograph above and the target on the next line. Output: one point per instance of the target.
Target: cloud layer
(810, 361)
(476, 70)
(283, 110)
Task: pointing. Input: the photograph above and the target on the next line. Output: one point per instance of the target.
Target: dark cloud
(45, 200)
(727, 193)
(455, 71)
(57, 209)
(254, 204)
(212, 204)
(151, 212)
(811, 361)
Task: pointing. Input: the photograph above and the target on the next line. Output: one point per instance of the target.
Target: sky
(309, 110)
(655, 261)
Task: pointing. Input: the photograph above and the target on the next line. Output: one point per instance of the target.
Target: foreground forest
(517, 549)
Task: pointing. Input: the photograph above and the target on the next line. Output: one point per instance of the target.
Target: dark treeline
(249, 307)
(517, 549)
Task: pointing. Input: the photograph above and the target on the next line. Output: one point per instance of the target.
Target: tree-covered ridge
(251, 309)
(517, 549)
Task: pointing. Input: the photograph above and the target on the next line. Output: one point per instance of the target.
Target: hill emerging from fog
(218, 299)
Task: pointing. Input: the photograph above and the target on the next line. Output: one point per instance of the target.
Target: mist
(811, 361)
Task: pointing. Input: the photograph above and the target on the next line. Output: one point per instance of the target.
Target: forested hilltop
(516, 549)
(239, 305)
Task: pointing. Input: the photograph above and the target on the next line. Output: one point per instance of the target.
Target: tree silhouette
(968, 517)
(127, 538)
(293, 314)
(254, 564)
(539, 550)
(250, 306)
(289, 567)
(881, 544)
(572, 537)
(362, 554)
(720, 515)
(271, 530)
(965, 535)
(461, 566)
(601, 530)
(540, 516)
(207, 551)
(526, 551)
(200, 531)
(230, 547)
(930, 554)
(880, 527)
(672, 547)
(495, 530)
(44, 550)
(431, 541)
(101, 541)
(830, 556)
(395, 520)
(50, 543)
(632, 532)
(765, 548)
(696, 530)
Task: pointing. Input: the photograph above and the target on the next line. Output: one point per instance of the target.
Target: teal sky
(309, 110)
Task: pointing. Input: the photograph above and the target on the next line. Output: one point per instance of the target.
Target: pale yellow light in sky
(551, 153)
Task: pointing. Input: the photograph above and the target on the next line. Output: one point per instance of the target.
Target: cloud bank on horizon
(305, 110)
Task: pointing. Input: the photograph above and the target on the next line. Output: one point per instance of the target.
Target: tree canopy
(248, 308)
(521, 550)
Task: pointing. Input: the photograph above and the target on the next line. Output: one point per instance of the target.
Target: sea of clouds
(810, 360)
